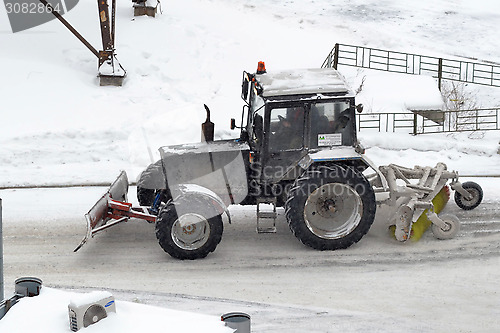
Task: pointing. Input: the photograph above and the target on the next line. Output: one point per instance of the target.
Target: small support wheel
(452, 227)
(469, 203)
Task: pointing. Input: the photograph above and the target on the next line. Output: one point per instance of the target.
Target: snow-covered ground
(59, 127)
(377, 284)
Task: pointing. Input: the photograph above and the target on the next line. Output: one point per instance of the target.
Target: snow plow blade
(112, 208)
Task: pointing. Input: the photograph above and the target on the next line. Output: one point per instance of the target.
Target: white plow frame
(413, 198)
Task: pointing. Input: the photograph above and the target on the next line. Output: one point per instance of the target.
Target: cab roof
(303, 82)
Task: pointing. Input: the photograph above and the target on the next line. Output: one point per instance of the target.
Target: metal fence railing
(485, 73)
(432, 121)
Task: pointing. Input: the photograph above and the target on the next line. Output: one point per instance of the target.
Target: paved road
(259, 269)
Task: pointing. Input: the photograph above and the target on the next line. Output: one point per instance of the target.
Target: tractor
(297, 149)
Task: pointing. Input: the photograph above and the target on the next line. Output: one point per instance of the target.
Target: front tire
(330, 208)
(193, 234)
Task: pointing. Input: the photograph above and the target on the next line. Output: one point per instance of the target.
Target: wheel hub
(333, 210)
(329, 206)
(190, 231)
(473, 196)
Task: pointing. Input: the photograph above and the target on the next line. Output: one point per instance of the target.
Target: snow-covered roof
(302, 81)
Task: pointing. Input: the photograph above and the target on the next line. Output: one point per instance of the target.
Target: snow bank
(48, 312)
(60, 126)
(459, 151)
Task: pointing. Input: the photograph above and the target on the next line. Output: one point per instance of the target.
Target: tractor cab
(292, 114)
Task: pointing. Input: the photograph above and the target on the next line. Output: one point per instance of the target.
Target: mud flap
(112, 208)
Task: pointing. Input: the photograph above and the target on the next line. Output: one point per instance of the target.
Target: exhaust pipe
(207, 128)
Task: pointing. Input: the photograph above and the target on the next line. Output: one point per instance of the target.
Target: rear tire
(330, 208)
(477, 196)
(195, 240)
(145, 196)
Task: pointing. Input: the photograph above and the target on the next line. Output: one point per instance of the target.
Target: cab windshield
(332, 124)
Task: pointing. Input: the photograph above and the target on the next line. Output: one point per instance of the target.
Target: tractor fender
(152, 177)
(342, 154)
(187, 192)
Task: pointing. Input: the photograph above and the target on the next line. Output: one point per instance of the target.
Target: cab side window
(258, 126)
(287, 129)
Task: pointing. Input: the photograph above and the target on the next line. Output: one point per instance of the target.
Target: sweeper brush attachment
(423, 223)
(419, 195)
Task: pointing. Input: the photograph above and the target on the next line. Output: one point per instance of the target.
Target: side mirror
(359, 108)
(233, 123)
(244, 86)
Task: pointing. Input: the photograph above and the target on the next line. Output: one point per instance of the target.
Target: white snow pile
(59, 127)
(48, 312)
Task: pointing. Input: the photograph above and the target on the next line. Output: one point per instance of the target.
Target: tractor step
(263, 227)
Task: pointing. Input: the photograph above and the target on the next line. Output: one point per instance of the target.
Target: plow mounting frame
(112, 208)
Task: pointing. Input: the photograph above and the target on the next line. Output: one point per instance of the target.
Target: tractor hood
(217, 166)
(204, 147)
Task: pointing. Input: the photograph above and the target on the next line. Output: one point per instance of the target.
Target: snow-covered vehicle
(297, 149)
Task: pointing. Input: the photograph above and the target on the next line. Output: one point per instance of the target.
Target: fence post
(336, 56)
(440, 72)
(477, 120)
(415, 123)
(496, 119)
